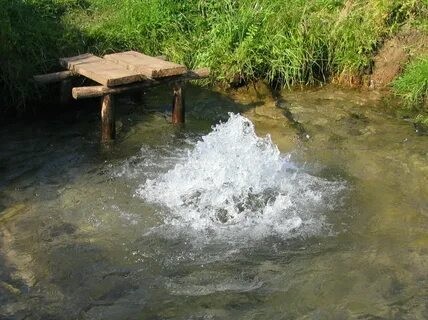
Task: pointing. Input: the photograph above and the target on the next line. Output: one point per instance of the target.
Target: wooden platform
(121, 68)
(100, 70)
(120, 73)
(150, 67)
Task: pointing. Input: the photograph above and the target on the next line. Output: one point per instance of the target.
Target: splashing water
(234, 184)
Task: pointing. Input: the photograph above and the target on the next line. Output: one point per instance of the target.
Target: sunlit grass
(284, 42)
(412, 85)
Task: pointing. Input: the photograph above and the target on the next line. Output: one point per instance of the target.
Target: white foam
(235, 185)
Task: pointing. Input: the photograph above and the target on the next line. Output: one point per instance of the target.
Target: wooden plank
(53, 77)
(98, 91)
(151, 67)
(62, 75)
(70, 62)
(100, 70)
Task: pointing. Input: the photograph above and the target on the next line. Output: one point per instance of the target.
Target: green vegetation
(412, 86)
(284, 42)
(421, 123)
(32, 37)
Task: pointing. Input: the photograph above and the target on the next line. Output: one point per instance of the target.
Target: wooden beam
(54, 77)
(98, 91)
(178, 104)
(108, 121)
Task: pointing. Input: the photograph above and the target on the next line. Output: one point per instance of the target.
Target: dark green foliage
(32, 37)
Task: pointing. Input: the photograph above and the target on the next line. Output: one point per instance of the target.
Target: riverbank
(298, 44)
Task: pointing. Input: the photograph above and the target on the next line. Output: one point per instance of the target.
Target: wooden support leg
(66, 88)
(108, 123)
(178, 105)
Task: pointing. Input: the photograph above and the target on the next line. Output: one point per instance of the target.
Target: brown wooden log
(98, 91)
(178, 104)
(54, 77)
(108, 121)
(65, 95)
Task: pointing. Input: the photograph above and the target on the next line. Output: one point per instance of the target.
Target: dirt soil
(394, 54)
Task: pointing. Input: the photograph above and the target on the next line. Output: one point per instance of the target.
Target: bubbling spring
(236, 185)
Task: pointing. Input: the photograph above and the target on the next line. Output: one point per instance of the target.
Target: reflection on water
(164, 225)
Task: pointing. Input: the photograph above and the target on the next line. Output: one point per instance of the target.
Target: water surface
(219, 222)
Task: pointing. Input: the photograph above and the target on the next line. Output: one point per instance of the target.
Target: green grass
(421, 123)
(412, 85)
(284, 42)
(31, 40)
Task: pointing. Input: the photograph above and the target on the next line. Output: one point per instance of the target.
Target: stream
(236, 215)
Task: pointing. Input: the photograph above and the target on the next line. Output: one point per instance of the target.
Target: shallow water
(223, 223)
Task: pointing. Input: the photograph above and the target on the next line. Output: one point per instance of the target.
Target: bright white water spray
(235, 185)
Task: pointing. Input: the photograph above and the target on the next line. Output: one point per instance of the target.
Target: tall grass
(32, 37)
(412, 85)
(285, 42)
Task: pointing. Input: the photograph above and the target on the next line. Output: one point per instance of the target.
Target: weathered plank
(62, 75)
(70, 62)
(151, 67)
(53, 77)
(100, 70)
(98, 91)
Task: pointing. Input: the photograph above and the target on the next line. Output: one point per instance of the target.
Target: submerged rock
(54, 231)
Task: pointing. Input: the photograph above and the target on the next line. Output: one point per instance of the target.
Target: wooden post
(178, 104)
(65, 95)
(108, 122)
